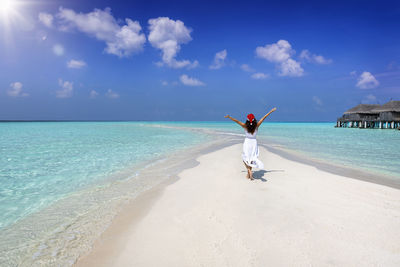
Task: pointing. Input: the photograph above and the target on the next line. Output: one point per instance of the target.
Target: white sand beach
(292, 214)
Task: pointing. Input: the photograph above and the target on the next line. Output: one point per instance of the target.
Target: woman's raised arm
(265, 116)
(237, 121)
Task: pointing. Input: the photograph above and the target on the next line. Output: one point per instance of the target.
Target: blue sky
(196, 60)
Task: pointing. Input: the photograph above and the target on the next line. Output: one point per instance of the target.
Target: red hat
(250, 117)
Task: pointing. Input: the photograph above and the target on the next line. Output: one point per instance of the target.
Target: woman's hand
(265, 116)
(226, 116)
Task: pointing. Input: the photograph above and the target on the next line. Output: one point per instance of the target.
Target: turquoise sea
(369, 150)
(71, 172)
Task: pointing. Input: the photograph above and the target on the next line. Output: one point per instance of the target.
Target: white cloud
(305, 54)
(259, 76)
(313, 58)
(247, 68)
(186, 80)
(353, 73)
(111, 94)
(280, 53)
(317, 100)
(164, 83)
(369, 99)
(168, 35)
(46, 19)
(93, 94)
(58, 50)
(16, 90)
(76, 64)
(292, 68)
(66, 90)
(120, 40)
(277, 52)
(321, 60)
(219, 60)
(367, 81)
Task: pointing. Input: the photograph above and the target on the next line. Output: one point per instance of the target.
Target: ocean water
(41, 162)
(55, 177)
(62, 182)
(369, 150)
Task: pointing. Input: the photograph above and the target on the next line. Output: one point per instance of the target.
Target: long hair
(251, 127)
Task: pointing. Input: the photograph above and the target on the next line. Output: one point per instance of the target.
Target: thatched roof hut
(372, 116)
(391, 106)
(364, 109)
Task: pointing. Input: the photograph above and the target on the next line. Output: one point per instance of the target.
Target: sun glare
(10, 12)
(6, 5)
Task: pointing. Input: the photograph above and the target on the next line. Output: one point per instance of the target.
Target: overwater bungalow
(373, 116)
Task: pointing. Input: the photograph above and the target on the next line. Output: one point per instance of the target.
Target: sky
(196, 60)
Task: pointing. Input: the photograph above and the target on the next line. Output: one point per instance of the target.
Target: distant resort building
(373, 116)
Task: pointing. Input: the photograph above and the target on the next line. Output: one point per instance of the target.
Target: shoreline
(390, 178)
(54, 237)
(118, 237)
(188, 160)
(298, 156)
(139, 206)
(348, 172)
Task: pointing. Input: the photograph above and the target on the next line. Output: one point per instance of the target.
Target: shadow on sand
(259, 175)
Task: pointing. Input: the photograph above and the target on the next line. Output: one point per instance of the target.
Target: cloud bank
(120, 40)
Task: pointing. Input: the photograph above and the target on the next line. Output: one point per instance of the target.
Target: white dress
(250, 151)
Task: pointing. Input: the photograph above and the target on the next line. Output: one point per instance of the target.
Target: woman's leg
(247, 168)
(249, 173)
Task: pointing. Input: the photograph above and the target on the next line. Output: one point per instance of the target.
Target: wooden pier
(372, 116)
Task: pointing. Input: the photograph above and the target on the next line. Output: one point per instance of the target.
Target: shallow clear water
(62, 182)
(41, 162)
(371, 150)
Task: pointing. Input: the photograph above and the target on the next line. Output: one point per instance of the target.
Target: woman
(250, 147)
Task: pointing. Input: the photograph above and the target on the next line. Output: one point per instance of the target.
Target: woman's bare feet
(249, 172)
